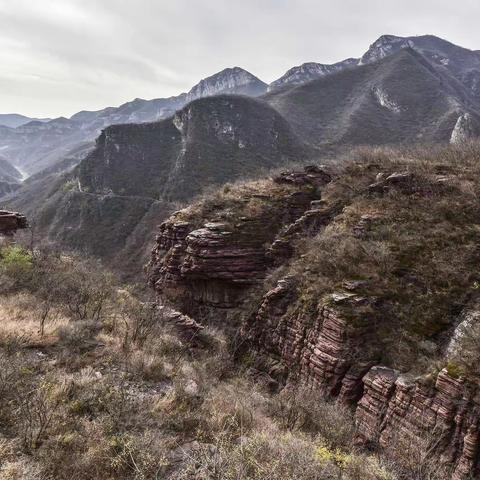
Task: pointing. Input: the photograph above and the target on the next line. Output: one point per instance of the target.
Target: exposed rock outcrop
(215, 262)
(343, 337)
(441, 417)
(328, 350)
(466, 129)
(10, 222)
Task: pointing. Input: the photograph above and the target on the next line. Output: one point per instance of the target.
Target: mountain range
(37, 144)
(14, 120)
(228, 127)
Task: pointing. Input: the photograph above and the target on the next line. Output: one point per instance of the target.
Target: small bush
(14, 257)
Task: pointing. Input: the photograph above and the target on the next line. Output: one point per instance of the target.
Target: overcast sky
(61, 56)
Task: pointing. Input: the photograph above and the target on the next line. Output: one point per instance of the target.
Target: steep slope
(460, 62)
(10, 177)
(401, 98)
(137, 174)
(354, 282)
(36, 145)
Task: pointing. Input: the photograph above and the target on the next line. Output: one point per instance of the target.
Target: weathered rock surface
(10, 222)
(210, 263)
(215, 263)
(321, 346)
(434, 416)
(329, 342)
(440, 418)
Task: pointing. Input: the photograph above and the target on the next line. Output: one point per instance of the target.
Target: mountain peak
(382, 47)
(234, 80)
(310, 71)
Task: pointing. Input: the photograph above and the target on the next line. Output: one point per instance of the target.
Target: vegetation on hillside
(94, 385)
(410, 243)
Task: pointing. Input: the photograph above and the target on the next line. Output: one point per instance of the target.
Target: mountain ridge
(36, 145)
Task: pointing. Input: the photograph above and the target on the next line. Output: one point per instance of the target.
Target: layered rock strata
(331, 344)
(214, 263)
(428, 417)
(10, 222)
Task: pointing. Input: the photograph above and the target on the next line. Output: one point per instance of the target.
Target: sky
(58, 57)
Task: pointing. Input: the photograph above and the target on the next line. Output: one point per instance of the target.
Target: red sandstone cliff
(361, 340)
(10, 222)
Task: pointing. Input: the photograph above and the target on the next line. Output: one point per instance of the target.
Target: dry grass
(124, 397)
(109, 391)
(19, 318)
(417, 250)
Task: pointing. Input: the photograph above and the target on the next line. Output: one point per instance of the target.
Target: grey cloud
(60, 56)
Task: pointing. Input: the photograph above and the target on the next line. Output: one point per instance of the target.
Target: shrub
(15, 258)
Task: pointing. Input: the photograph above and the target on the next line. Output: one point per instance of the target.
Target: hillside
(399, 99)
(37, 145)
(9, 177)
(358, 282)
(137, 174)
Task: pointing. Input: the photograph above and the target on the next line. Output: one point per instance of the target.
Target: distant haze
(61, 56)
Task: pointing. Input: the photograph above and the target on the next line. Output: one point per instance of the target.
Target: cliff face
(215, 262)
(10, 222)
(357, 280)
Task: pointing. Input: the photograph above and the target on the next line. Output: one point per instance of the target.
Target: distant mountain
(14, 120)
(401, 98)
(460, 62)
(310, 71)
(37, 145)
(231, 80)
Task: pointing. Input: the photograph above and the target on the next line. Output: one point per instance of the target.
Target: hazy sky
(61, 56)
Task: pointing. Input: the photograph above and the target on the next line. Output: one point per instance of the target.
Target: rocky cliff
(10, 222)
(352, 281)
